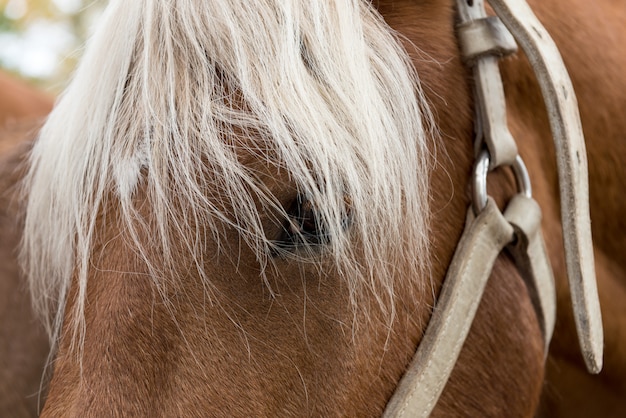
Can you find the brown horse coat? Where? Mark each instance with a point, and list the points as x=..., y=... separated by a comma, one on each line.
x=20, y=101
x=23, y=344
x=129, y=371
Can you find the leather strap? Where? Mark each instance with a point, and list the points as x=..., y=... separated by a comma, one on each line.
x=560, y=100
x=530, y=255
x=483, y=239
x=484, y=37
x=486, y=234
x=491, y=123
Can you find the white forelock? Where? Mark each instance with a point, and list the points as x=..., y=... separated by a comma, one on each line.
x=322, y=89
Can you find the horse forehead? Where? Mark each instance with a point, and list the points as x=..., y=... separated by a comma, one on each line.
x=258, y=156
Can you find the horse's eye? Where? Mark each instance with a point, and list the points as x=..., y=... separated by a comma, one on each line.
x=301, y=228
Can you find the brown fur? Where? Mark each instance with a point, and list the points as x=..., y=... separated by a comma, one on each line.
x=18, y=100
x=245, y=353
x=23, y=344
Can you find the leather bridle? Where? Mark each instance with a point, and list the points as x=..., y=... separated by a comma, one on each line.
x=483, y=40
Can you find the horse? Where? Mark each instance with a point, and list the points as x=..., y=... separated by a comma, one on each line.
x=249, y=208
x=20, y=101
x=24, y=345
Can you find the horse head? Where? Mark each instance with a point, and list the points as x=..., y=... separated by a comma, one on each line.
x=248, y=209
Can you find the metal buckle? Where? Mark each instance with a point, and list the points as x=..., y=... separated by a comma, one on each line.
x=481, y=170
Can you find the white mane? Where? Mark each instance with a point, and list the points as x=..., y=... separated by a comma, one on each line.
x=165, y=89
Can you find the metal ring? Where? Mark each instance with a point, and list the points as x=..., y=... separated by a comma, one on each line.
x=522, y=178
x=479, y=185
x=479, y=189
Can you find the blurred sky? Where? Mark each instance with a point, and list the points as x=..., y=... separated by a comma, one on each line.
x=42, y=40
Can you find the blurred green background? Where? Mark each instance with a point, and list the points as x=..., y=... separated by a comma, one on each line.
x=41, y=40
